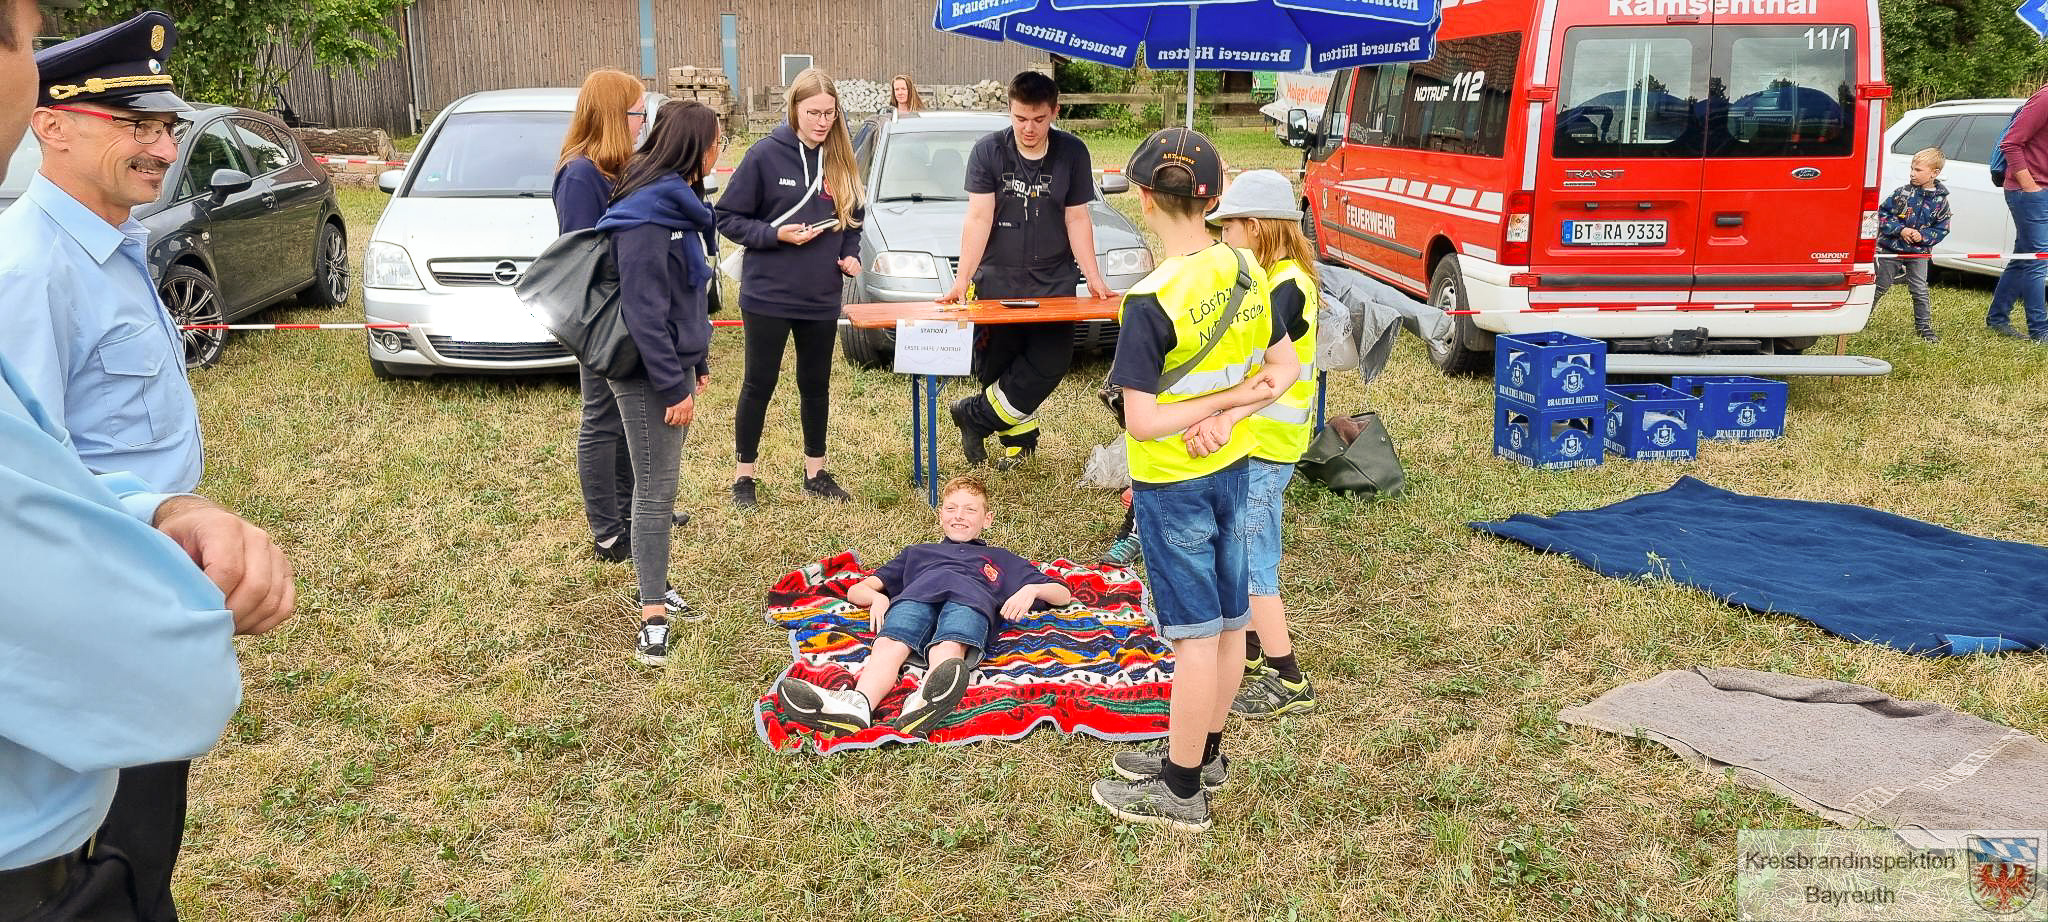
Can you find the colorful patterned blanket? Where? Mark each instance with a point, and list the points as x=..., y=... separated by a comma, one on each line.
x=1093, y=667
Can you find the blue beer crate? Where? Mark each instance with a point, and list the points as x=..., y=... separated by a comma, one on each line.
x=1738, y=407
x=1651, y=422
x=1548, y=371
x=1551, y=440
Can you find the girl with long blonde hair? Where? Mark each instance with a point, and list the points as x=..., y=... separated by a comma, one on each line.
x=903, y=94
x=795, y=203
x=610, y=110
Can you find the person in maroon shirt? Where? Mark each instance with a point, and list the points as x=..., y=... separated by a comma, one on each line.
x=2025, y=147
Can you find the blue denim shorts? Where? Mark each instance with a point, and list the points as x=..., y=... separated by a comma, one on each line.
x=1265, y=493
x=924, y=625
x=1193, y=534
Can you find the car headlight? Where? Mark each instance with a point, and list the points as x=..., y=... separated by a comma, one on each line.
x=386, y=265
x=1129, y=261
x=906, y=265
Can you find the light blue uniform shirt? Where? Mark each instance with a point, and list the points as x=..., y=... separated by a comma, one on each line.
x=115, y=650
x=81, y=321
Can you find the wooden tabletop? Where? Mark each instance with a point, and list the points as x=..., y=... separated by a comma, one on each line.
x=984, y=311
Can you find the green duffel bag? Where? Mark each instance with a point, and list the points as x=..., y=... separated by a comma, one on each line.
x=1354, y=455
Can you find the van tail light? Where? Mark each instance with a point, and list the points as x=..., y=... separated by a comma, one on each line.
x=1514, y=238
x=1866, y=238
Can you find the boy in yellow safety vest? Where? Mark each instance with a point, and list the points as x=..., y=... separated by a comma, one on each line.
x=1199, y=353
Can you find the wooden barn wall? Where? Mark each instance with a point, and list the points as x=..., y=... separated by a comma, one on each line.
x=379, y=97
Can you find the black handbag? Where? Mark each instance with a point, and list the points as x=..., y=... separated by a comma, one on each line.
x=572, y=288
x=1354, y=455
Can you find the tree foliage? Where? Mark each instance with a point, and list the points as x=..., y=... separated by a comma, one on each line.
x=239, y=52
x=1950, y=49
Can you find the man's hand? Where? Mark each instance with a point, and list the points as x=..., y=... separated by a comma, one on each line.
x=1018, y=605
x=955, y=293
x=239, y=557
x=1098, y=288
x=1206, y=437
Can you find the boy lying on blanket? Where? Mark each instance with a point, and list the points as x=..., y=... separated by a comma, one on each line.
x=941, y=600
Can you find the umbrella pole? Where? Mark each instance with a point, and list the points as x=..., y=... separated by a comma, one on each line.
x=1193, y=11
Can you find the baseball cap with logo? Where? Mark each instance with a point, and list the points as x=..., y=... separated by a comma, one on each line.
x=1177, y=161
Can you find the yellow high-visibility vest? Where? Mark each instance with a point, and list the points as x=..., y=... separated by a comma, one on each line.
x=1191, y=290
x=1280, y=432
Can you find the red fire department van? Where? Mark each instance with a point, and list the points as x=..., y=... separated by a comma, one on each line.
x=1694, y=181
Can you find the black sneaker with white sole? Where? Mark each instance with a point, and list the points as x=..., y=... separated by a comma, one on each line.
x=652, y=646
x=929, y=703
x=673, y=605
x=615, y=549
x=831, y=710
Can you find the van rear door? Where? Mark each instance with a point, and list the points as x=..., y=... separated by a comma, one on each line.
x=1787, y=160
x=1616, y=209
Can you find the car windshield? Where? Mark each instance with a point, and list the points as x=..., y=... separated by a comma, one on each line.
x=22, y=162
x=926, y=166
x=492, y=155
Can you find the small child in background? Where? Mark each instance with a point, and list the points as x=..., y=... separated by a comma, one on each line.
x=945, y=600
x=1913, y=219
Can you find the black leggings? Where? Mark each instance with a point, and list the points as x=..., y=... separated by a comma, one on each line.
x=766, y=337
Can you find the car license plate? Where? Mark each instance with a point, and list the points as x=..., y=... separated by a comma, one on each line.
x=1613, y=233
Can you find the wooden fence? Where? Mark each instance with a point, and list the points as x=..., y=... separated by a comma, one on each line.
x=1228, y=110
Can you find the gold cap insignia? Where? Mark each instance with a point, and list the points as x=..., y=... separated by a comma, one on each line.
x=156, y=38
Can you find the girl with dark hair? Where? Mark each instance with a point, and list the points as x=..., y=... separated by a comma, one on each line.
x=662, y=239
x=610, y=111
x=796, y=204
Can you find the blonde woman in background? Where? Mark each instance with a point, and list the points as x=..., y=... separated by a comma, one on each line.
x=903, y=95
x=790, y=287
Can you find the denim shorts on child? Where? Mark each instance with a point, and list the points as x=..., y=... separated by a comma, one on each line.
x=1265, y=491
x=1193, y=535
x=922, y=625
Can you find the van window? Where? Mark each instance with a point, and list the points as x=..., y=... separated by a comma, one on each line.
x=1333, y=127
x=1631, y=91
x=1456, y=101
x=1924, y=134
x=1787, y=91
x=1974, y=141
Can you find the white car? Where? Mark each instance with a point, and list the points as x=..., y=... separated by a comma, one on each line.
x=469, y=212
x=1967, y=131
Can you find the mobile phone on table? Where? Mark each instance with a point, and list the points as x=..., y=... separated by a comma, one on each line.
x=1015, y=303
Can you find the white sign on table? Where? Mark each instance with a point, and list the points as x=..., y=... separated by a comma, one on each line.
x=934, y=347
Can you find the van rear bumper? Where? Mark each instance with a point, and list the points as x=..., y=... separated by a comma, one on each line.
x=1504, y=308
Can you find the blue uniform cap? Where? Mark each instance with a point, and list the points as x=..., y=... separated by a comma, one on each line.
x=120, y=66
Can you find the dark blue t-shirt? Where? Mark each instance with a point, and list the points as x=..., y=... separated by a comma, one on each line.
x=969, y=572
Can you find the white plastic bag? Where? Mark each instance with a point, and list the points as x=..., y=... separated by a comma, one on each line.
x=1336, y=336
x=1108, y=467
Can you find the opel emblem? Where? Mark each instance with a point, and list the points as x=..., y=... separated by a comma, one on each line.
x=505, y=272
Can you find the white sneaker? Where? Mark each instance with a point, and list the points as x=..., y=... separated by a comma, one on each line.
x=833, y=710
x=652, y=646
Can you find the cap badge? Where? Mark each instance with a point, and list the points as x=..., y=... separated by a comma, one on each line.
x=156, y=38
x=156, y=66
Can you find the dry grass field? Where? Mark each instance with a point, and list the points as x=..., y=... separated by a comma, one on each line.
x=453, y=727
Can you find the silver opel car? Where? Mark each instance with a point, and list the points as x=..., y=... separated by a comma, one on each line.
x=468, y=213
x=916, y=172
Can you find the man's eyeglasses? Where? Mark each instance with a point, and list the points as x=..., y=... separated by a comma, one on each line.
x=146, y=130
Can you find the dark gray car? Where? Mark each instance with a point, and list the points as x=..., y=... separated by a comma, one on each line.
x=916, y=172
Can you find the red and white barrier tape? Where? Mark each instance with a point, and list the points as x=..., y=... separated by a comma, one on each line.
x=364, y=326
x=357, y=161
x=1964, y=255
x=1627, y=308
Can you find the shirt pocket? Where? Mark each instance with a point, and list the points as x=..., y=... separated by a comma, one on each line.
x=133, y=405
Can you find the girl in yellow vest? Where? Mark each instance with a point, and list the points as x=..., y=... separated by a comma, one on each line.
x=1198, y=356
x=1258, y=213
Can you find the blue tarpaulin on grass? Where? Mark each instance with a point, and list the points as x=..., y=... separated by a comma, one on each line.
x=1854, y=571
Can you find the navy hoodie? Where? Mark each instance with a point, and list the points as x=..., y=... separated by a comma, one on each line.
x=581, y=192
x=660, y=237
x=785, y=280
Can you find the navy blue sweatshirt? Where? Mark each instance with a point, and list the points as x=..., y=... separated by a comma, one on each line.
x=659, y=235
x=581, y=193
x=785, y=280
